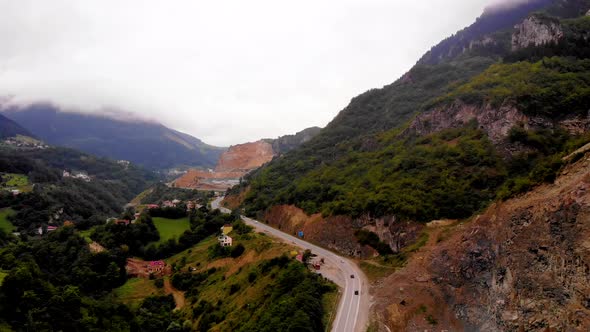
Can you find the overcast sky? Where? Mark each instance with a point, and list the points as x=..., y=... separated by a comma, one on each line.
x=226, y=72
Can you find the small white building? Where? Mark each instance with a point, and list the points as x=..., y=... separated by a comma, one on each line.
x=224, y=240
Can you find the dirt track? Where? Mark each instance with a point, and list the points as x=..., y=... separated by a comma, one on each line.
x=178, y=295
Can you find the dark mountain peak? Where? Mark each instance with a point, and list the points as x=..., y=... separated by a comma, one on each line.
x=9, y=128
x=116, y=135
x=494, y=19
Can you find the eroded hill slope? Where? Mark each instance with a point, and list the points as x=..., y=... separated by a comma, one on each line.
x=522, y=265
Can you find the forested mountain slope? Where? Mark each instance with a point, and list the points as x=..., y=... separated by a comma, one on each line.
x=358, y=163
x=65, y=184
x=9, y=128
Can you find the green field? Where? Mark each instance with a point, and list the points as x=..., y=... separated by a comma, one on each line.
x=135, y=290
x=4, y=223
x=16, y=181
x=170, y=228
x=86, y=235
x=3, y=275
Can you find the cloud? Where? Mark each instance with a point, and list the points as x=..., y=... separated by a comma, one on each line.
x=507, y=4
x=224, y=71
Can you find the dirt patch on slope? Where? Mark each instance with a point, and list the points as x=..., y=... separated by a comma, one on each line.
x=234, y=201
x=95, y=247
x=178, y=295
x=333, y=232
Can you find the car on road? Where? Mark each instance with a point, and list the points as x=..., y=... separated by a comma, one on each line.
x=352, y=276
x=356, y=292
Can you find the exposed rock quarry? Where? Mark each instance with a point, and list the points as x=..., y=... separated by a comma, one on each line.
x=523, y=265
x=208, y=180
x=241, y=159
x=233, y=164
x=536, y=31
x=245, y=157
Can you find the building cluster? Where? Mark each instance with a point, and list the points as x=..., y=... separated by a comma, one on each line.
x=171, y=204
x=76, y=175
x=156, y=266
x=190, y=205
x=124, y=163
x=19, y=142
x=52, y=227
x=49, y=229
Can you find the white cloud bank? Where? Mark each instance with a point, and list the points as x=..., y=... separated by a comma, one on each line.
x=224, y=71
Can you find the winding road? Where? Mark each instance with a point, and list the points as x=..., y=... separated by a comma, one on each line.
x=353, y=310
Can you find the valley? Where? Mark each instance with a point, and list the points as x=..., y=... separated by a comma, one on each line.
x=456, y=198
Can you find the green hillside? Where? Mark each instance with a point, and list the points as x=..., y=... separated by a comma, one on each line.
x=366, y=162
x=109, y=187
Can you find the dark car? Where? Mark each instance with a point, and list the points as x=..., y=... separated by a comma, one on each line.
x=356, y=292
x=352, y=276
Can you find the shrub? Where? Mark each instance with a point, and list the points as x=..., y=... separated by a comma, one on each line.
x=252, y=276
x=237, y=251
x=234, y=288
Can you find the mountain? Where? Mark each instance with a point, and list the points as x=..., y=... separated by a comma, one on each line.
x=466, y=146
x=287, y=143
x=241, y=159
x=9, y=128
x=146, y=143
x=360, y=151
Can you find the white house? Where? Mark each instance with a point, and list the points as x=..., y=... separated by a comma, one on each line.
x=224, y=240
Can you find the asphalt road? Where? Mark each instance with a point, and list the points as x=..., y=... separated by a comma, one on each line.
x=353, y=310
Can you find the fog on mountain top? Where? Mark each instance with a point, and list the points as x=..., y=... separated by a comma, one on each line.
x=225, y=72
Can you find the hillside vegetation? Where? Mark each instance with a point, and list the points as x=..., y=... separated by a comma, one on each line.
x=48, y=193
x=366, y=162
x=260, y=290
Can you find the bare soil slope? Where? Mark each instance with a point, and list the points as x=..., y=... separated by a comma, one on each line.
x=523, y=265
x=233, y=164
x=245, y=157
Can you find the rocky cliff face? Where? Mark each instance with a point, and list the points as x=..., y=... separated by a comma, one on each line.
x=287, y=143
x=536, y=31
x=523, y=265
x=495, y=121
x=335, y=233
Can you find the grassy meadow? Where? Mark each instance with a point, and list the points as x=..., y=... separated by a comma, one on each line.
x=6, y=225
x=170, y=228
